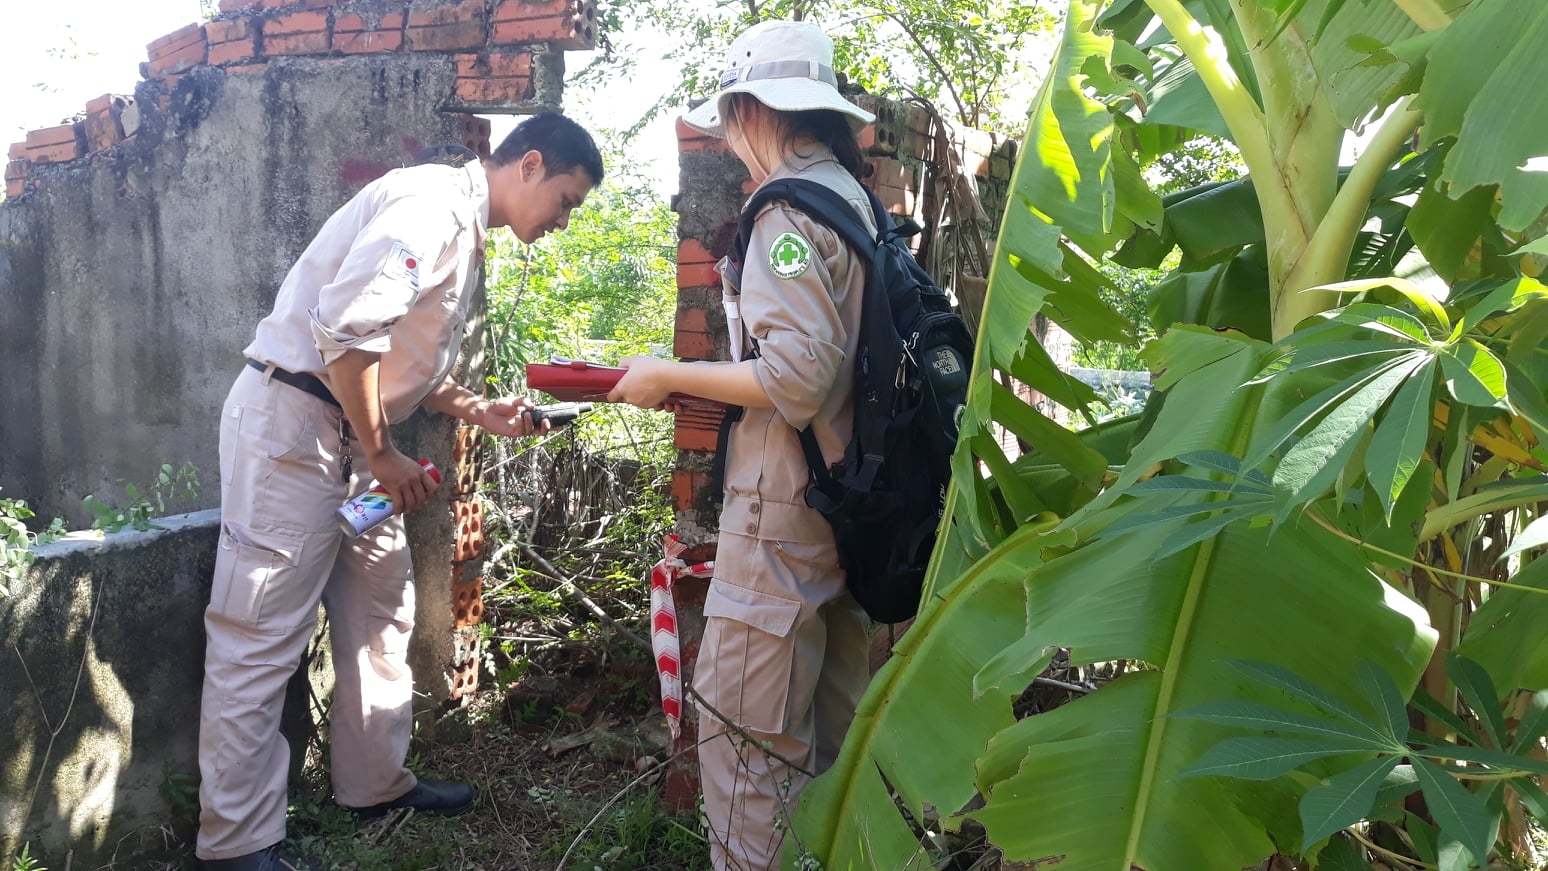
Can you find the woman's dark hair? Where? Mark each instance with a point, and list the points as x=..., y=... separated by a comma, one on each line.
x=564, y=144
x=824, y=125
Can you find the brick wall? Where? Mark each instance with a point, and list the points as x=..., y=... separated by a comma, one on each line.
x=139, y=245
x=492, y=43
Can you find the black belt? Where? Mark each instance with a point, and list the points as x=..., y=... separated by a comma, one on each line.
x=299, y=380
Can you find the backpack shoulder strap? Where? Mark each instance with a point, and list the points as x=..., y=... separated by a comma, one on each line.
x=823, y=205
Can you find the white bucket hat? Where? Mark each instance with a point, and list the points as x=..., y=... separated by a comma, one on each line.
x=786, y=65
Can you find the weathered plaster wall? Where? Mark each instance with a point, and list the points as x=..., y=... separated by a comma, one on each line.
x=139, y=247
x=99, y=691
x=132, y=283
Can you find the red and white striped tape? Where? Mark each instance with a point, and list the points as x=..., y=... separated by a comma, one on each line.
x=663, y=627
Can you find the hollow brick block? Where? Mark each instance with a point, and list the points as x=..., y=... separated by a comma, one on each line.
x=475, y=134
x=468, y=518
x=565, y=24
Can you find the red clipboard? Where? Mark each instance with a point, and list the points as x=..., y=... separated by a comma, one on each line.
x=584, y=381
x=573, y=380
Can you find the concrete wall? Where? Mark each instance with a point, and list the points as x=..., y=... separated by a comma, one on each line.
x=130, y=285
x=139, y=247
x=103, y=652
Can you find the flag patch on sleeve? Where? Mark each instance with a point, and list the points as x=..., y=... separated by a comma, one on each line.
x=403, y=265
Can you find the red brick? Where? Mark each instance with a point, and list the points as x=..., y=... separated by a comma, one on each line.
x=102, y=127
x=367, y=42
x=18, y=151
x=565, y=32
x=295, y=33
x=885, y=170
x=500, y=65
x=686, y=487
x=517, y=10
x=691, y=251
x=51, y=136
x=234, y=51
x=446, y=37
x=61, y=153
x=694, y=439
x=296, y=43
x=448, y=13
x=181, y=61
x=692, y=319
x=693, y=346
x=238, y=5
x=14, y=189
x=183, y=36
x=296, y=22
x=691, y=335
x=447, y=27
x=229, y=30
x=896, y=200
x=16, y=169
x=685, y=133
x=494, y=91
x=697, y=275
x=469, y=519
x=475, y=134
x=351, y=22
x=973, y=164
x=703, y=143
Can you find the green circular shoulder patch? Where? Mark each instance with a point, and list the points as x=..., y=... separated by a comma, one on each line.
x=790, y=255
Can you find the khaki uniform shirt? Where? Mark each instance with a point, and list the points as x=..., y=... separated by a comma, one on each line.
x=391, y=272
x=802, y=313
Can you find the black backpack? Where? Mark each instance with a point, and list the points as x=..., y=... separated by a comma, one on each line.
x=884, y=500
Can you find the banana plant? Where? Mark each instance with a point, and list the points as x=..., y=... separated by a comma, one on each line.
x=1336, y=477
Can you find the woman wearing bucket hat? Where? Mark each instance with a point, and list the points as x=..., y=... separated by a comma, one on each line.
x=784, y=655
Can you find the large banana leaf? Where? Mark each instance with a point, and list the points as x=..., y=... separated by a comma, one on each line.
x=1096, y=781
x=1102, y=777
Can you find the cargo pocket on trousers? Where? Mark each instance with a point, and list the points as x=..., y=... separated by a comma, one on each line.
x=748, y=655
x=391, y=624
x=246, y=567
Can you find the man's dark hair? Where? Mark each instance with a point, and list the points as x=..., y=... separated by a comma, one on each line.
x=564, y=144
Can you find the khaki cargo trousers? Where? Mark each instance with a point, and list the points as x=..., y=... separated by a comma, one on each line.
x=785, y=656
x=280, y=553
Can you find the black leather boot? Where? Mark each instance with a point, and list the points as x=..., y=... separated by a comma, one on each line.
x=443, y=797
